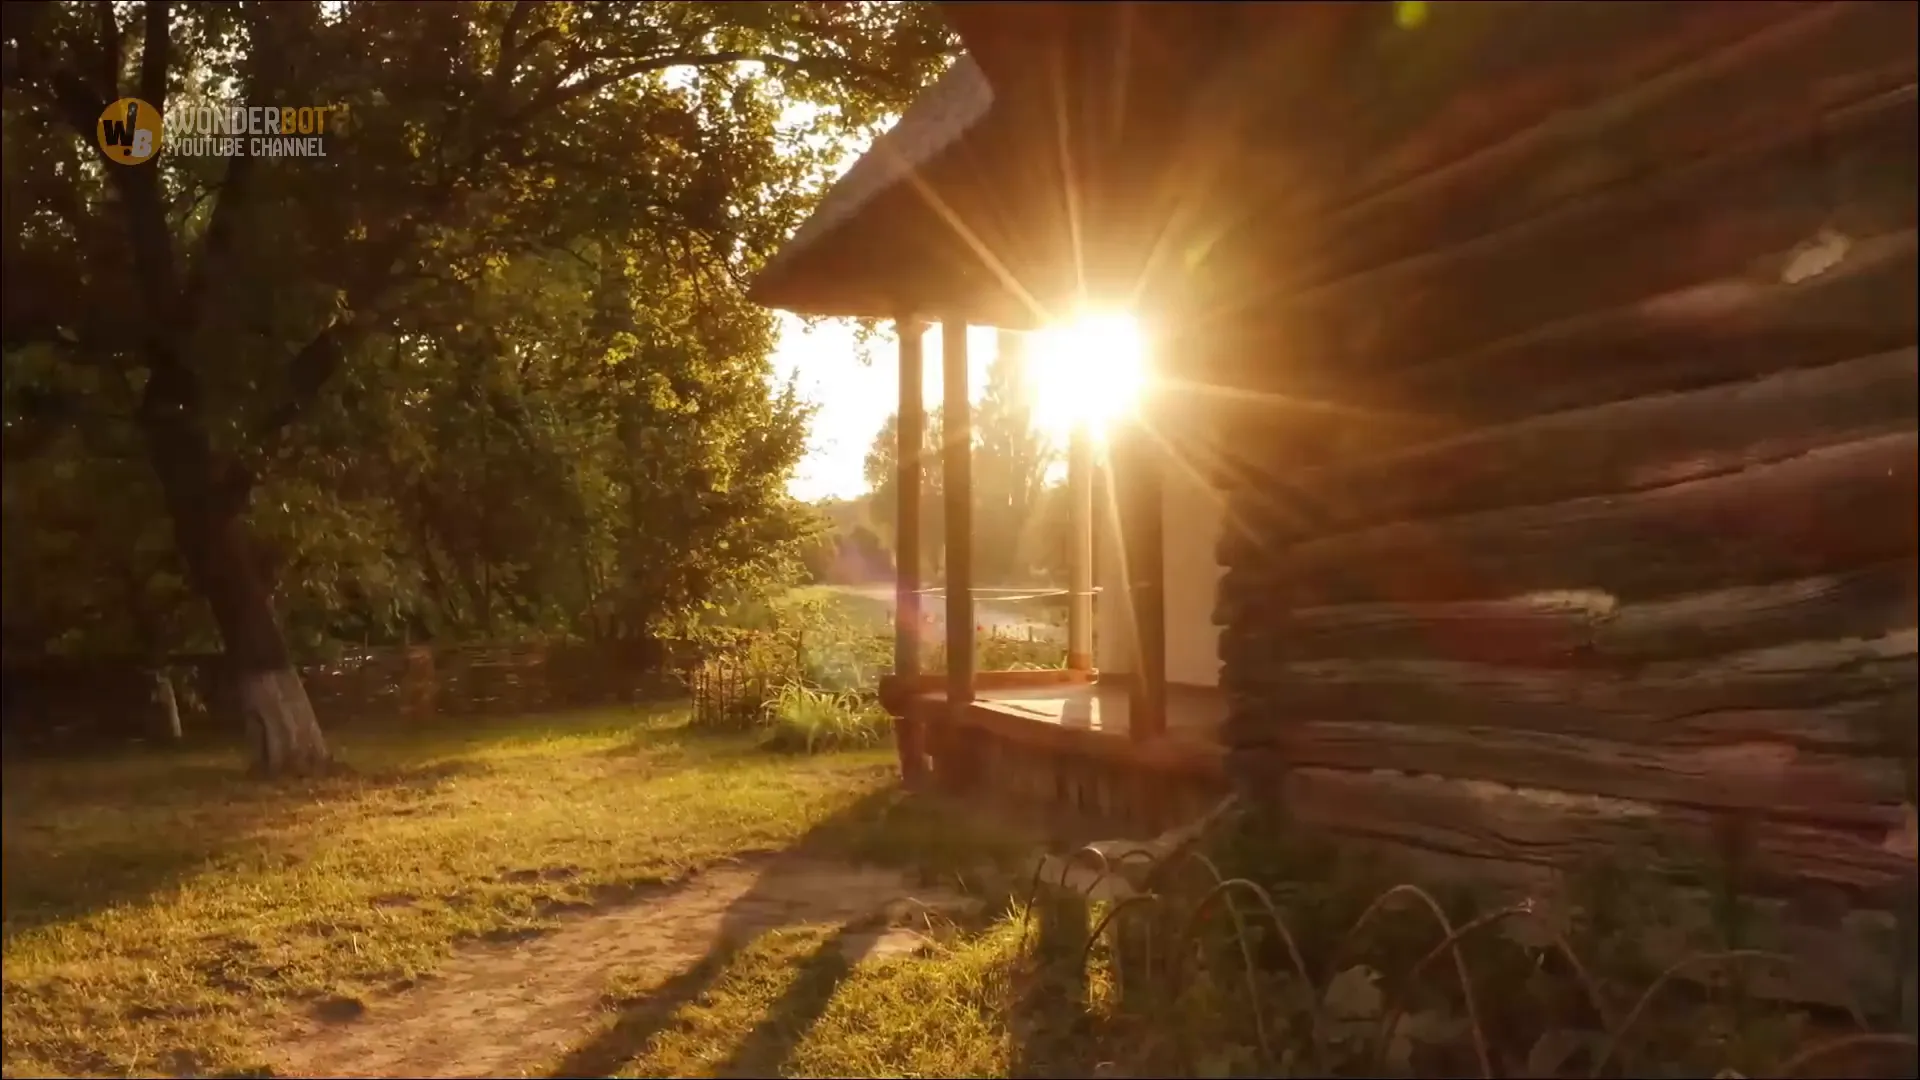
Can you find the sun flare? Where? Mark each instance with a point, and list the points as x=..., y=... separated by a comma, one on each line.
x=1088, y=371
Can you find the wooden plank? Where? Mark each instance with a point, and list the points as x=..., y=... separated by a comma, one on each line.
x=1580, y=629
x=1840, y=507
x=1528, y=825
x=1178, y=757
x=1824, y=696
x=1621, y=446
x=1767, y=775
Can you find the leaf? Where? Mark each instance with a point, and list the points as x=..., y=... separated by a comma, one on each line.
x=1354, y=994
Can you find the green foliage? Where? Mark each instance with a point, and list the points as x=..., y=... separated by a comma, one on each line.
x=806, y=720
x=483, y=370
x=1282, y=951
x=1019, y=521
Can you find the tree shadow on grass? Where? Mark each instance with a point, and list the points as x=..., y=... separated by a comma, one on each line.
x=843, y=874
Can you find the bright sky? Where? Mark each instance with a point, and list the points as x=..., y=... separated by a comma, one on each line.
x=855, y=398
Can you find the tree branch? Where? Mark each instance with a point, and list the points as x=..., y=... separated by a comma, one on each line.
x=558, y=96
x=155, y=55
x=108, y=73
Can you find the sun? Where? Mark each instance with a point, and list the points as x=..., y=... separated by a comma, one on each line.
x=1088, y=371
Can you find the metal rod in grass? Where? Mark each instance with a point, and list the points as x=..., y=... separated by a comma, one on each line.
x=1066, y=865
x=1858, y=1040
x=1286, y=937
x=1449, y=942
x=1615, y=1037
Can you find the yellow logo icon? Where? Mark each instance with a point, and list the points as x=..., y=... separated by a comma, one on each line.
x=130, y=131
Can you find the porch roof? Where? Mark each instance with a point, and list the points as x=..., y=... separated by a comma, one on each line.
x=973, y=204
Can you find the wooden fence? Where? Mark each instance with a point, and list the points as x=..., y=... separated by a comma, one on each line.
x=68, y=703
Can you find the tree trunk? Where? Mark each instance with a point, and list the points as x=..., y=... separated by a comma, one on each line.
x=210, y=528
x=169, y=702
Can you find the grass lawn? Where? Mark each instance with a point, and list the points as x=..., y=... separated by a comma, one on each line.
x=165, y=914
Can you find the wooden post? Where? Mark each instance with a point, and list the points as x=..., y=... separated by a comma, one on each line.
x=957, y=459
x=1137, y=476
x=910, y=425
x=1080, y=549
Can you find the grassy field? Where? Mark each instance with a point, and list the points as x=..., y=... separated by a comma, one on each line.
x=602, y=893
x=165, y=914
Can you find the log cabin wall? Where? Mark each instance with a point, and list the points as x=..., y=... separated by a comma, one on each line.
x=1579, y=512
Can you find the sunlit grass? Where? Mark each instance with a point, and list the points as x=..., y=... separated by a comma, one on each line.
x=162, y=912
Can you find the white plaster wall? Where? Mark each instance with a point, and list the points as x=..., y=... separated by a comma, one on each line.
x=1190, y=527
x=1112, y=639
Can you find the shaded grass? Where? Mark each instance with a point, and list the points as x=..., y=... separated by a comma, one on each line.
x=163, y=912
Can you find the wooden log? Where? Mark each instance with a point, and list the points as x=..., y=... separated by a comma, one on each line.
x=1768, y=775
x=1530, y=825
x=1622, y=446
x=1844, y=506
x=1830, y=696
x=1739, y=76
x=1735, y=329
x=1693, y=224
x=1875, y=163
x=1578, y=630
x=1735, y=222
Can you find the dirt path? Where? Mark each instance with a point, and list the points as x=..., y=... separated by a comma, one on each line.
x=499, y=1010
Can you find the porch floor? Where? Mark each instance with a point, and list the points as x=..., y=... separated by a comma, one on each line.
x=1194, y=714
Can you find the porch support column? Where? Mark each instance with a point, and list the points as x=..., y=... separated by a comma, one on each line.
x=957, y=459
x=1080, y=549
x=909, y=733
x=1138, y=477
x=909, y=429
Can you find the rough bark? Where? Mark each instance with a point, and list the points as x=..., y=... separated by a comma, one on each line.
x=1840, y=507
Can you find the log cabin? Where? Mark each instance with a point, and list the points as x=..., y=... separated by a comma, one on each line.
x=1528, y=463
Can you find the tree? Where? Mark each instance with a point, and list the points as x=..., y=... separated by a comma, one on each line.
x=238, y=299
x=882, y=474
x=1010, y=463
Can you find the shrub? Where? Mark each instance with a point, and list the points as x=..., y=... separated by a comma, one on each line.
x=802, y=719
